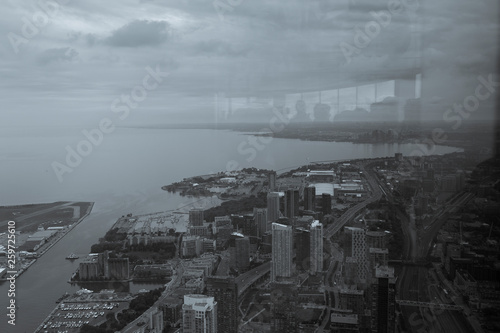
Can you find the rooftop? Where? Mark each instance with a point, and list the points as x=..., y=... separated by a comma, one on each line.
x=199, y=302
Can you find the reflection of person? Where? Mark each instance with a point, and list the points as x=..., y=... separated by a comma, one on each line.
x=301, y=115
x=321, y=112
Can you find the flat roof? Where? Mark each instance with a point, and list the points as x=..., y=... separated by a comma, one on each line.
x=323, y=188
x=352, y=291
x=344, y=319
x=378, y=250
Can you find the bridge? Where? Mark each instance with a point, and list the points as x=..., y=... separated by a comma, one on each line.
x=422, y=263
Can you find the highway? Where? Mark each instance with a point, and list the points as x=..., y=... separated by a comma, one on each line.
x=412, y=282
x=353, y=211
x=245, y=280
x=430, y=231
x=169, y=288
x=335, y=260
x=448, y=321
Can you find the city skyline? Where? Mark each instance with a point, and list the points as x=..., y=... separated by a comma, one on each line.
x=237, y=166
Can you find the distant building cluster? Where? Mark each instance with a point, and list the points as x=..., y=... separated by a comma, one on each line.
x=474, y=270
x=316, y=250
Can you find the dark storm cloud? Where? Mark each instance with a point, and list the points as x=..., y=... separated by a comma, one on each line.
x=140, y=33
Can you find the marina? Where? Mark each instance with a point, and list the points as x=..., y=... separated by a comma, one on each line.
x=84, y=307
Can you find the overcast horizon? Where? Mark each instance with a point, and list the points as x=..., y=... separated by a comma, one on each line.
x=70, y=66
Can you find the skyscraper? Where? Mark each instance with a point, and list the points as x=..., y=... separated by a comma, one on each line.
x=316, y=247
x=383, y=300
x=273, y=206
x=196, y=217
x=310, y=198
x=260, y=217
x=359, y=252
x=326, y=204
x=239, y=250
x=271, y=177
x=291, y=203
x=283, y=308
x=242, y=253
x=250, y=227
x=352, y=299
x=282, y=251
x=225, y=291
x=199, y=314
x=302, y=248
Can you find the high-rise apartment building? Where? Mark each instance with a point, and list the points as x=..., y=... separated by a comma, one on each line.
x=282, y=251
x=284, y=298
x=359, y=251
x=273, y=206
x=239, y=252
x=383, y=314
x=316, y=247
x=326, y=204
x=352, y=299
x=310, y=198
x=302, y=243
x=271, y=178
x=225, y=291
x=199, y=314
x=242, y=253
x=196, y=217
x=260, y=217
x=291, y=203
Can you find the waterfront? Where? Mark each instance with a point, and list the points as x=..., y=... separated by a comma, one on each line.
x=124, y=175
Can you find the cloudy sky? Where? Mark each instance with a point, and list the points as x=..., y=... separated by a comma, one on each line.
x=67, y=63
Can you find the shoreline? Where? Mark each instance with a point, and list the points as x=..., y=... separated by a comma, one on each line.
x=68, y=230
x=451, y=144
x=55, y=241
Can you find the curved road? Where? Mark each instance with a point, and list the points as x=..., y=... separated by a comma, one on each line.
x=353, y=211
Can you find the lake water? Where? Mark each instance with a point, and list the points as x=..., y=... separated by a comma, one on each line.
x=124, y=174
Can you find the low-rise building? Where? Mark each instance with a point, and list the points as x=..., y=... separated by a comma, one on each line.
x=195, y=286
x=340, y=322
x=191, y=246
x=172, y=311
x=466, y=283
